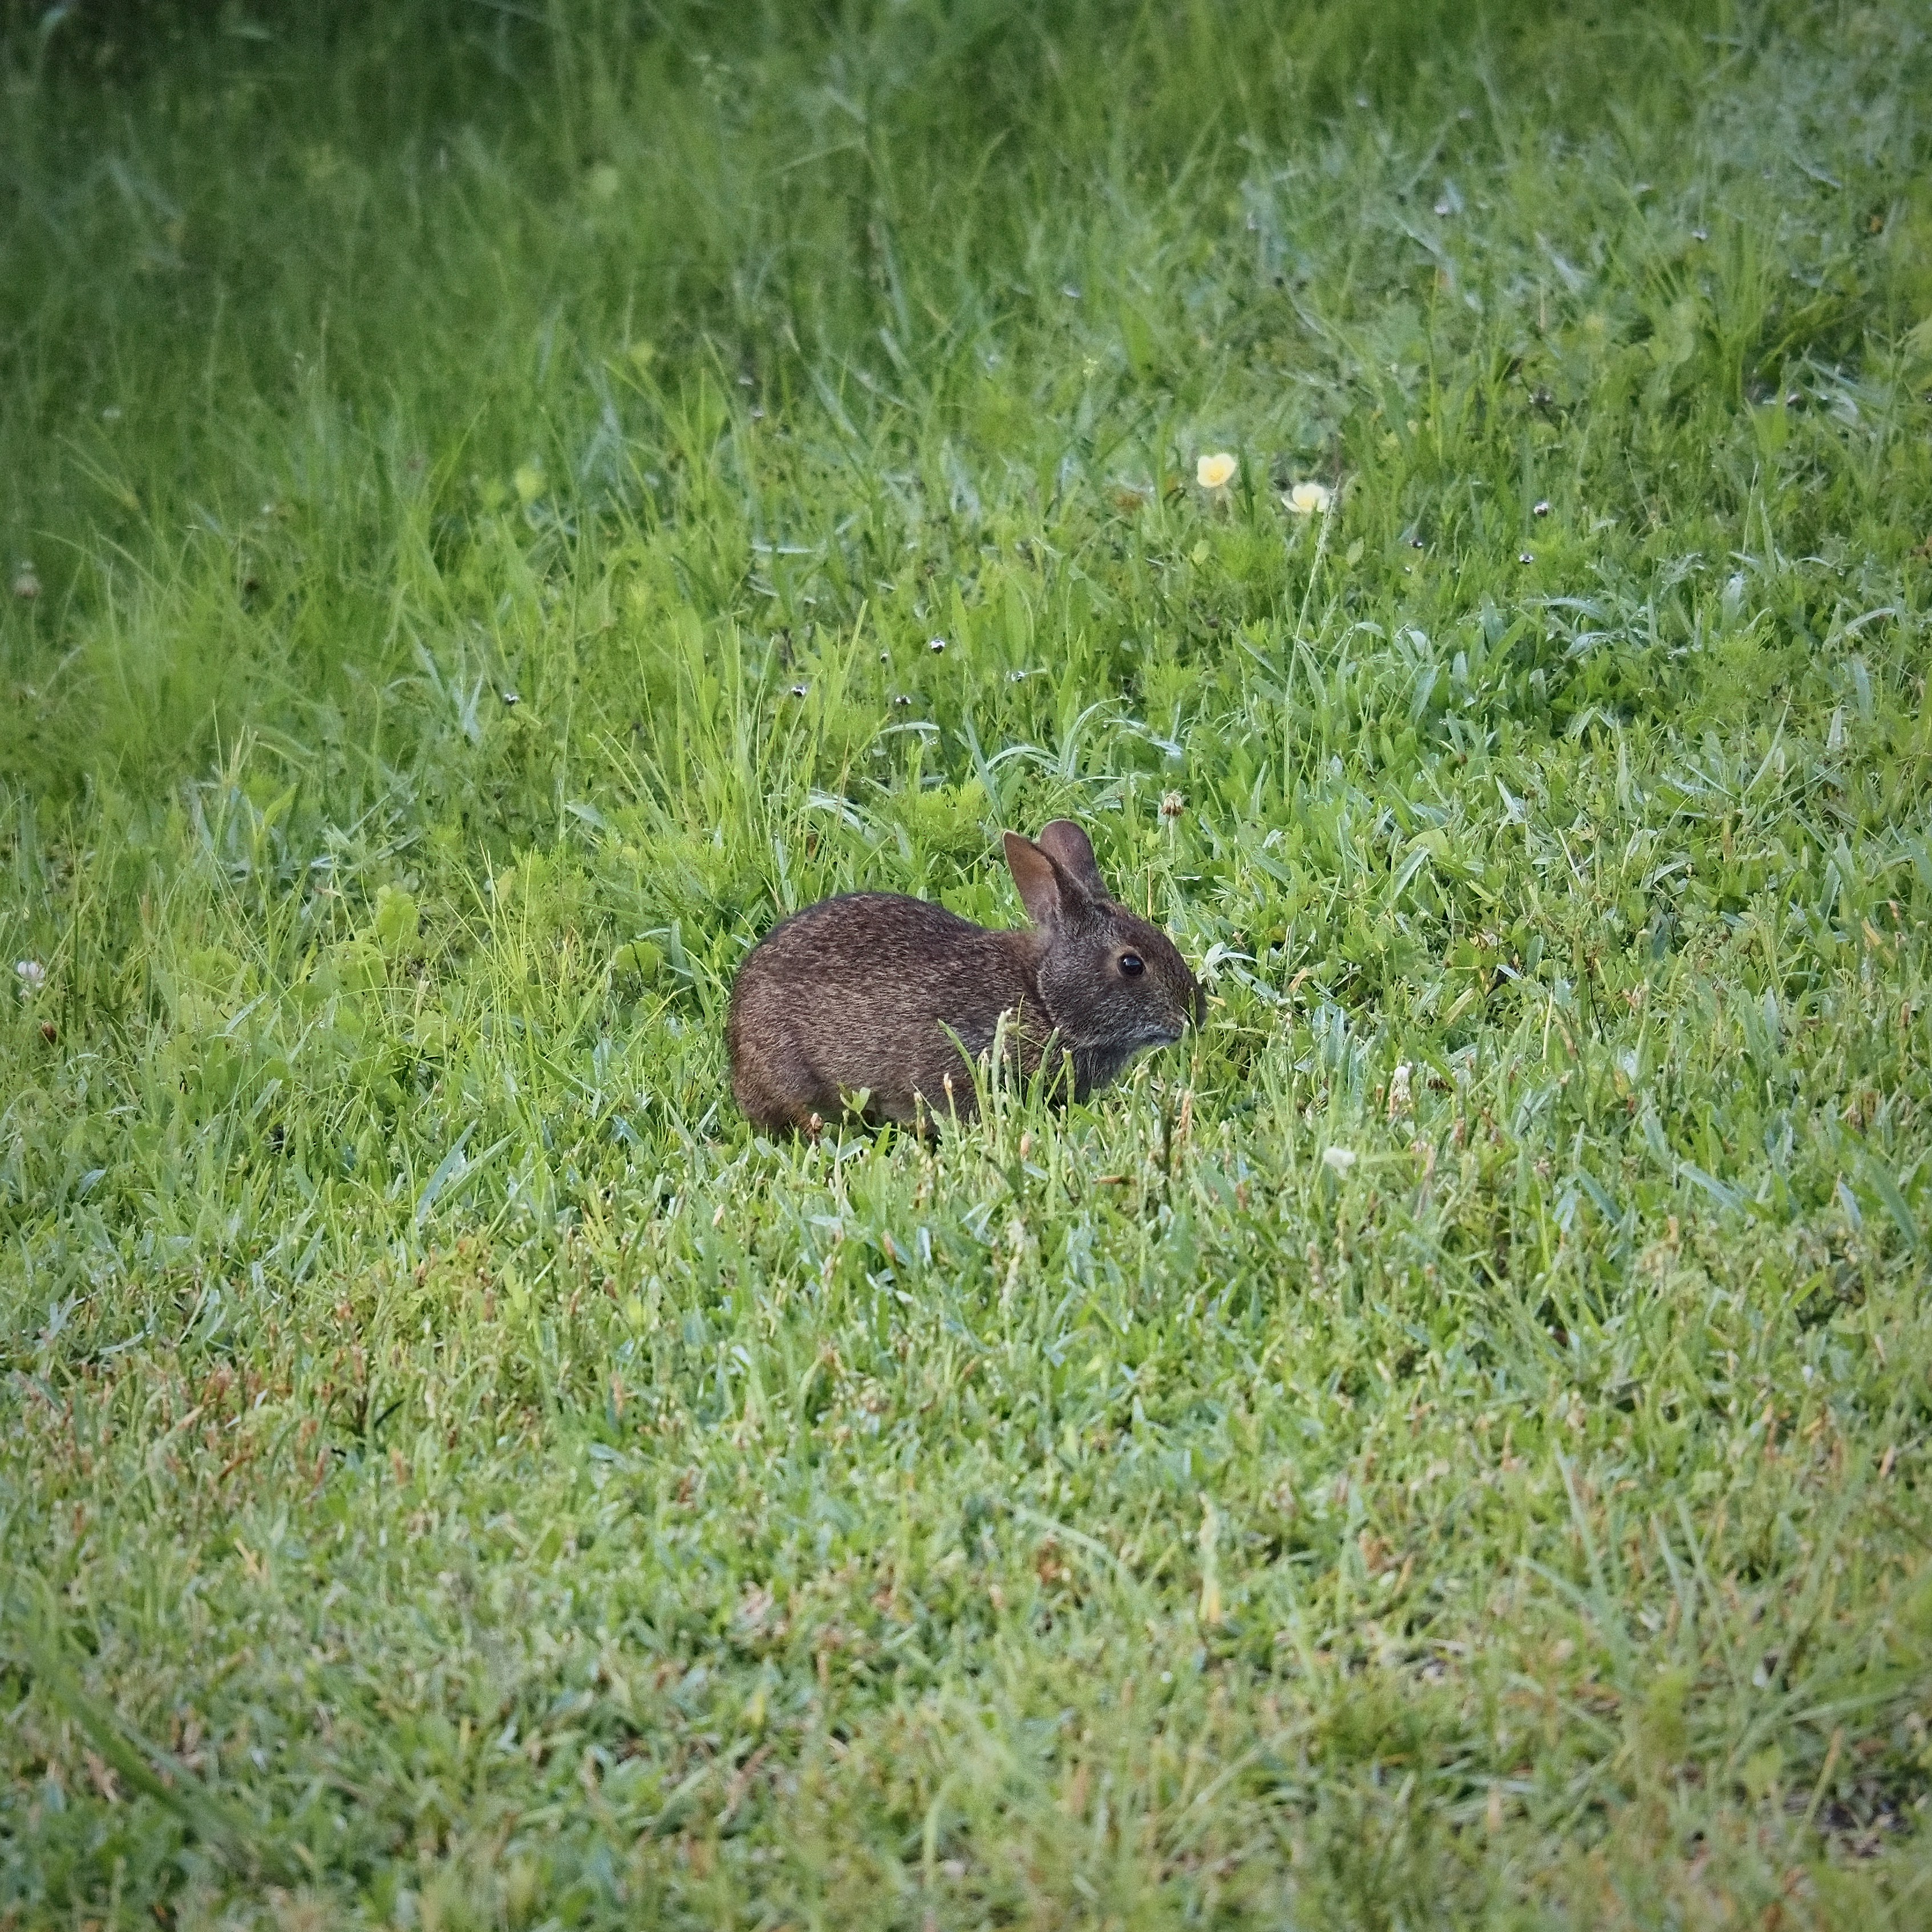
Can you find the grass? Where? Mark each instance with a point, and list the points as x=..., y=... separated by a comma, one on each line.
x=1448, y=1445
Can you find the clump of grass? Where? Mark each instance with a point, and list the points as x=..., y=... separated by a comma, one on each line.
x=1443, y=1446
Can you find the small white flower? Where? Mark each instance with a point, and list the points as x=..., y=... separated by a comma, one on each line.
x=1399, y=1101
x=1309, y=499
x=1215, y=472
x=33, y=976
x=26, y=584
x=1340, y=1159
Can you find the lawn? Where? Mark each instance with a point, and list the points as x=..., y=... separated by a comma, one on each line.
x=501, y=502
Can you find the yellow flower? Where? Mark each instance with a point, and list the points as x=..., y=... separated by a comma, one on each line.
x=1309, y=499
x=1215, y=472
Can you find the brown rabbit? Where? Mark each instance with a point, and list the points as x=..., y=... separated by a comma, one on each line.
x=851, y=1006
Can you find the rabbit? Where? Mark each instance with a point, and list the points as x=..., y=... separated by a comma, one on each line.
x=873, y=1006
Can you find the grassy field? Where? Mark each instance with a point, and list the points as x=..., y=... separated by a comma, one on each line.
x=502, y=502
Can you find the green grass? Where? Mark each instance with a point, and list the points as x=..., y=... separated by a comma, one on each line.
x=453, y=1475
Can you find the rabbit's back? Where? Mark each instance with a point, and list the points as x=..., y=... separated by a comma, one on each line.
x=865, y=993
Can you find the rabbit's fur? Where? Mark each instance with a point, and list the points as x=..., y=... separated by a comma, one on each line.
x=852, y=1007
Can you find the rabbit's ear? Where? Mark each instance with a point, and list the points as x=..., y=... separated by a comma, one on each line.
x=1048, y=894
x=1068, y=846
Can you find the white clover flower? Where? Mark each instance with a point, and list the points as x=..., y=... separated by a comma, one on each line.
x=1309, y=499
x=1399, y=1100
x=1215, y=472
x=33, y=976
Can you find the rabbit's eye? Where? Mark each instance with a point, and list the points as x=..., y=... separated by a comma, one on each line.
x=1132, y=964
